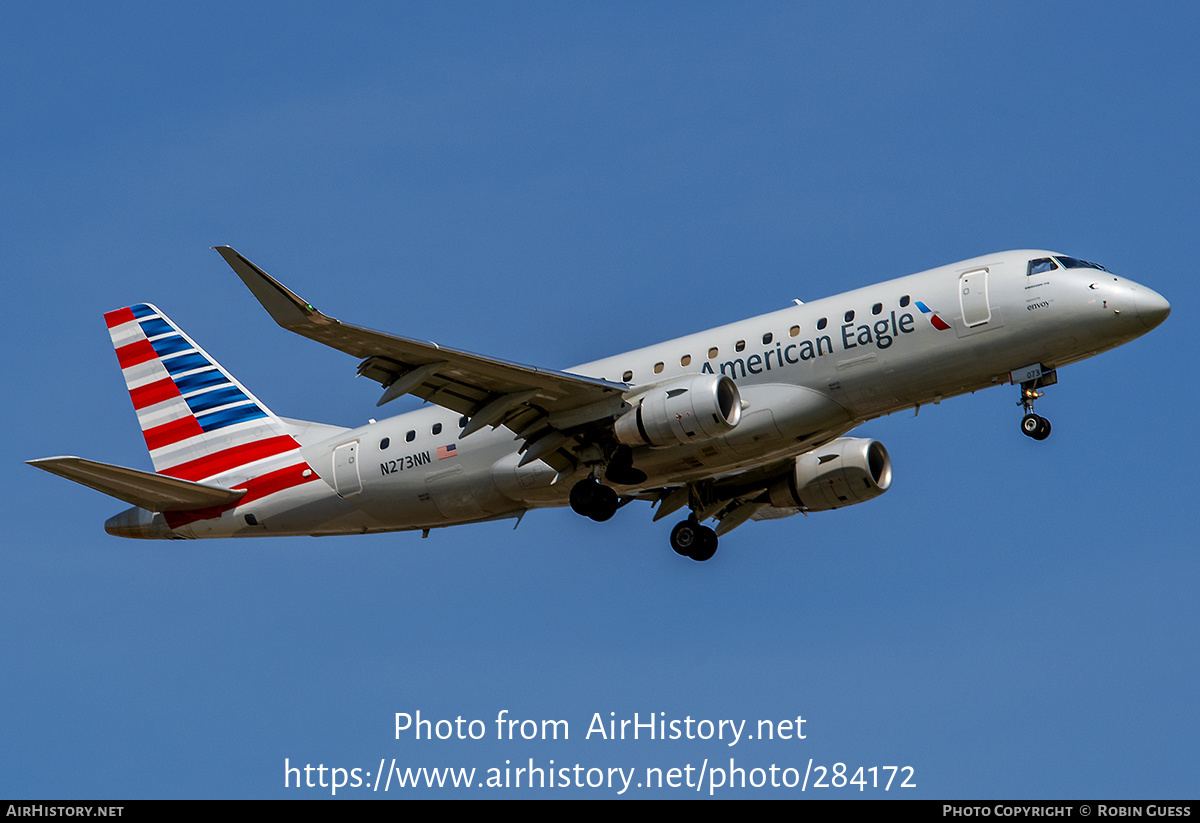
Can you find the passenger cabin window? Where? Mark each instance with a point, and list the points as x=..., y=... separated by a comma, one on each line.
x=1040, y=265
x=627, y=376
x=685, y=360
x=384, y=443
x=712, y=352
x=437, y=428
x=462, y=422
x=767, y=338
x=658, y=367
x=411, y=436
x=741, y=345
x=822, y=323
x=877, y=308
x=904, y=301
x=794, y=331
x=849, y=316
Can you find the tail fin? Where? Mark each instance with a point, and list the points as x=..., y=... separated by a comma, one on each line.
x=199, y=422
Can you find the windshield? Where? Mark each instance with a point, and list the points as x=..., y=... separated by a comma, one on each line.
x=1073, y=263
x=1040, y=265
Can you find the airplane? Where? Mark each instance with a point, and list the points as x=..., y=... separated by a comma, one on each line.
x=747, y=421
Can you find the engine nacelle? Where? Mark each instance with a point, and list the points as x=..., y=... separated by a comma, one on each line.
x=847, y=471
x=690, y=409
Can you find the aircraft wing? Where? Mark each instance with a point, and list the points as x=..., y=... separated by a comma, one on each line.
x=542, y=406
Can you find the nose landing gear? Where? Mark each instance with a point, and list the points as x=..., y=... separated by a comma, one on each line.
x=1034, y=425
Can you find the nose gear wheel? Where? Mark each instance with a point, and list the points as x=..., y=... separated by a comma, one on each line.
x=1035, y=426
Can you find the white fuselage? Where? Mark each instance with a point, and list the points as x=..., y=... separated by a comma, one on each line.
x=806, y=374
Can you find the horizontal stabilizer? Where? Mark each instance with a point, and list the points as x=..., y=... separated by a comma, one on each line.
x=153, y=492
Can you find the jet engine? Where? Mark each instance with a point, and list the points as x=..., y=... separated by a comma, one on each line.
x=846, y=471
x=686, y=410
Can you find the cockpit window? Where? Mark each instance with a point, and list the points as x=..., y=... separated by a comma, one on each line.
x=1040, y=265
x=1072, y=263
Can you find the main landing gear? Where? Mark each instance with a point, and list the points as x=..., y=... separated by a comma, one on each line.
x=1034, y=425
x=593, y=500
x=599, y=502
x=690, y=539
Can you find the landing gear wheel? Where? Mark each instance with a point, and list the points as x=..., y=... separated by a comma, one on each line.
x=604, y=506
x=690, y=539
x=684, y=537
x=1044, y=431
x=583, y=495
x=707, y=546
x=1035, y=426
x=1030, y=424
x=590, y=499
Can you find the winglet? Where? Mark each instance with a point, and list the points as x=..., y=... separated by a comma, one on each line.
x=286, y=307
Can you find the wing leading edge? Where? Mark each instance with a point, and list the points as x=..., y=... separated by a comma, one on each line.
x=546, y=408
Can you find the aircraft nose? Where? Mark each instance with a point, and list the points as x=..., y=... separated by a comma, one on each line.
x=1152, y=308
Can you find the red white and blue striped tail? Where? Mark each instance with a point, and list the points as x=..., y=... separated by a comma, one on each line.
x=200, y=423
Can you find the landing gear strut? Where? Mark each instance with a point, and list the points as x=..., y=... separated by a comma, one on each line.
x=690, y=539
x=592, y=500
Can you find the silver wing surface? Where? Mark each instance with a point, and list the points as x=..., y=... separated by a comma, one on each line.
x=551, y=411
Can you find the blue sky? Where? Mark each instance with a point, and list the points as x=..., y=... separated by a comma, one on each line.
x=551, y=185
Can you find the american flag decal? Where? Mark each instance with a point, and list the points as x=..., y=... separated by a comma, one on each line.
x=447, y=451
